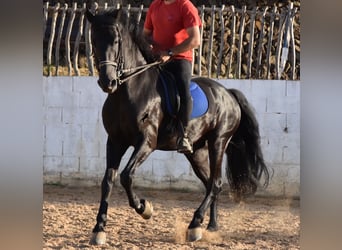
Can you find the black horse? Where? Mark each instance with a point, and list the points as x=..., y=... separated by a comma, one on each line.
x=135, y=114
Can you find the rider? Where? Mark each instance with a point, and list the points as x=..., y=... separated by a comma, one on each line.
x=172, y=26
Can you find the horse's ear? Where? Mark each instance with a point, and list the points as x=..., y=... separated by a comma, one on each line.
x=91, y=10
x=122, y=16
x=119, y=12
x=90, y=16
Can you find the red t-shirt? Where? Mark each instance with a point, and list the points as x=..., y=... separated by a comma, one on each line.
x=168, y=23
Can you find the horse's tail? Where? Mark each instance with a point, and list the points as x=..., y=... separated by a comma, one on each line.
x=245, y=163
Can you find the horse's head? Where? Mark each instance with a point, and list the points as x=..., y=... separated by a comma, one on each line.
x=106, y=39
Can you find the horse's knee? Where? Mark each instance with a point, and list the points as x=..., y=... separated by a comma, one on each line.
x=111, y=174
x=109, y=178
x=217, y=188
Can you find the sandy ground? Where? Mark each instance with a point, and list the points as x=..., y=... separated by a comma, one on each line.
x=258, y=223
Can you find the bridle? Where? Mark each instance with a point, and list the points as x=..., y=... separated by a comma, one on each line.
x=104, y=63
x=121, y=72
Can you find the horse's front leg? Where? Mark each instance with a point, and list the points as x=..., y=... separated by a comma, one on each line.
x=141, y=206
x=114, y=154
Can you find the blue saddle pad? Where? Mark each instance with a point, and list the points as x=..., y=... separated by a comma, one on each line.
x=199, y=100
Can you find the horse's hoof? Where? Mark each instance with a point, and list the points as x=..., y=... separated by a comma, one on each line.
x=98, y=238
x=194, y=234
x=148, y=210
x=212, y=228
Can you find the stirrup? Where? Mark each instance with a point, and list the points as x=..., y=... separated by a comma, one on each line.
x=184, y=145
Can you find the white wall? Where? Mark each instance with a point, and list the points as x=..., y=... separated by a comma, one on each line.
x=74, y=138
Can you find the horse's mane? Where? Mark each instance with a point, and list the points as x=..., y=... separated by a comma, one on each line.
x=130, y=25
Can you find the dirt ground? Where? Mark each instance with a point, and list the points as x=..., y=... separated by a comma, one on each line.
x=259, y=223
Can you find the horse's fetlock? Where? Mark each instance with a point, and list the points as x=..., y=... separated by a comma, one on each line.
x=140, y=208
x=219, y=182
x=98, y=228
x=199, y=217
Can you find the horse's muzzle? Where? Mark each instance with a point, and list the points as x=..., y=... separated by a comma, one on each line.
x=110, y=87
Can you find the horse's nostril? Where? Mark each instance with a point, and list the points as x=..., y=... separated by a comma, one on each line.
x=108, y=85
x=112, y=87
x=114, y=82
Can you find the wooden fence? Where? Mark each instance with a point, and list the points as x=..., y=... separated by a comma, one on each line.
x=236, y=43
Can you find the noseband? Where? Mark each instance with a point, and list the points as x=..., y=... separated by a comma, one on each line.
x=104, y=63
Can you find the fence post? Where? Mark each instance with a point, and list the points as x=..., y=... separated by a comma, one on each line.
x=286, y=40
x=45, y=16
x=293, y=44
x=241, y=31
x=78, y=40
x=52, y=37
x=251, y=42
x=219, y=62
x=89, y=48
x=279, y=43
x=199, y=56
x=232, y=40
x=67, y=38
x=141, y=8
x=270, y=39
x=59, y=37
x=211, y=36
x=261, y=38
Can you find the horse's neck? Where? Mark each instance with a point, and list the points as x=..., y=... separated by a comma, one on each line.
x=133, y=56
x=143, y=87
x=142, y=84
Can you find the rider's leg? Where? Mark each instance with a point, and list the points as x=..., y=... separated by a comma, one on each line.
x=181, y=70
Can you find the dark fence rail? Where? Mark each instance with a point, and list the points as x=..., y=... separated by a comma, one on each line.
x=239, y=43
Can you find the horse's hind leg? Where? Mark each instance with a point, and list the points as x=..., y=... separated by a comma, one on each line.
x=114, y=154
x=213, y=188
x=200, y=165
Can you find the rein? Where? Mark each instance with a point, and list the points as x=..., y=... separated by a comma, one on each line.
x=121, y=72
x=138, y=70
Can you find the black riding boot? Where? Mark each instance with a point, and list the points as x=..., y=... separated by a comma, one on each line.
x=184, y=145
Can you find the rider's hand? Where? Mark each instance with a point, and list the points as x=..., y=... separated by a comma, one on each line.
x=164, y=56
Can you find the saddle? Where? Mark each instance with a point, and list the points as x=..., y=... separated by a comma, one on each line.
x=200, y=102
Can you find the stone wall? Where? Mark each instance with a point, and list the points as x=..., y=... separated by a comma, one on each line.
x=74, y=138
